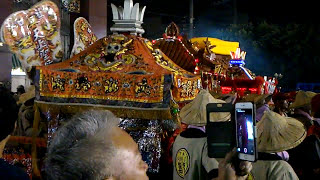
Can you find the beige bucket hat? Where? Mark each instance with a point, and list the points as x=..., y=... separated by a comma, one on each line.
x=195, y=112
x=303, y=98
x=276, y=133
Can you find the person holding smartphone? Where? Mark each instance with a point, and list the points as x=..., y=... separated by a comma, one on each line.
x=190, y=154
x=276, y=133
x=190, y=149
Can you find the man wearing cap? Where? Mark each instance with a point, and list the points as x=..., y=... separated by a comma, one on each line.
x=190, y=151
x=276, y=133
x=302, y=107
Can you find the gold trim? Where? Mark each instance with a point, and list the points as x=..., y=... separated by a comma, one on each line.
x=107, y=97
x=185, y=99
x=119, y=111
x=40, y=80
x=176, y=94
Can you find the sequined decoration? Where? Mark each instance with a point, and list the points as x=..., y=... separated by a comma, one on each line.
x=55, y=120
x=169, y=125
x=147, y=134
x=71, y=5
x=65, y=4
x=18, y=157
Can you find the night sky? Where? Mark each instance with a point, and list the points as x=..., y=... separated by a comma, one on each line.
x=287, y=42
x=279, y=36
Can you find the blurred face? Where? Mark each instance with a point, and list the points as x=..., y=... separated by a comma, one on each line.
x=285, y=105
x=129, y=161
x=270, y=102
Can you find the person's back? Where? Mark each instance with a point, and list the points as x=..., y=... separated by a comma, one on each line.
x=273, y=169
x=305, y=158
x=190, y=156
x=8, y=117
x=276, y=133
x=25, y=120
x=303, y=117
x=190, y=151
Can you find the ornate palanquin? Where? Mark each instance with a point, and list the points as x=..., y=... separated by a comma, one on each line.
x=207, y=57
x=122, y=73
x=181, y=51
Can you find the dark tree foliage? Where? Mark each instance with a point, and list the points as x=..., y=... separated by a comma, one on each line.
x=290, y=49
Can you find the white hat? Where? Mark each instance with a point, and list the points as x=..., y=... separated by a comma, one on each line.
x=195, y=112
x=276, y=133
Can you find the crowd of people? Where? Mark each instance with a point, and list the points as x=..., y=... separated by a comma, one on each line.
x=92, y=146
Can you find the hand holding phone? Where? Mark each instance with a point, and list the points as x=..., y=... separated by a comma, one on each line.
x=231, y=167
x=246, y=131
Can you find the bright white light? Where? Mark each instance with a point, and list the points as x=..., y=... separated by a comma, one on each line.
x=247, y=73
x=18, y=72
x=250, y=130
x=1, y=43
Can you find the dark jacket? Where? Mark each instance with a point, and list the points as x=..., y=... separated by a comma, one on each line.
x=10, y=172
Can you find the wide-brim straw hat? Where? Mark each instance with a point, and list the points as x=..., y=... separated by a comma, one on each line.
x=216, y=95
x=276, y=133
x=228, y=98
x=256, y=98
x=303, y=98
x=195, y=112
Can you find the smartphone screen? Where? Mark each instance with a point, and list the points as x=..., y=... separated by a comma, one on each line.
x=245, y=127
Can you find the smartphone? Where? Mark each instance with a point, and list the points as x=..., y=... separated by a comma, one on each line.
x=220, y=129
x=246, y=131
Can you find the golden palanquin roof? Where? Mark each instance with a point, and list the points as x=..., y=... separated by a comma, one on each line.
x=118, y=70
x=115, y=53
x=178, y=52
